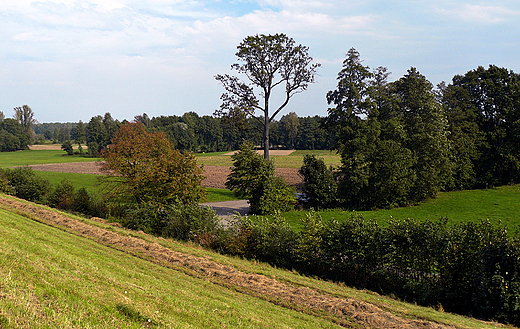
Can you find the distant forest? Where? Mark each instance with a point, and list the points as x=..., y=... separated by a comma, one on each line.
x=191, y=132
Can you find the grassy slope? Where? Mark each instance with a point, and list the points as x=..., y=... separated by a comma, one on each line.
x=50, y=278
x=499, y=205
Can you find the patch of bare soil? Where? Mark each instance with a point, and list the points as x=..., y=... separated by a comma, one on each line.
x=215, y=175
x=50, y=147
x=71, y=167
x=344, y=311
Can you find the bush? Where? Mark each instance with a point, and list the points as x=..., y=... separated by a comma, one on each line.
x=82, y=202
x=319, y=184
x=5, y=187
x=62, y=195
x=183, y=222
x=67, y=147
x=270, y=240
x=272, y=195
x=27, y=185
x=253, y=177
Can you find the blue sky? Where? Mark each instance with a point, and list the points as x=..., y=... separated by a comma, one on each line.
x=72, y=59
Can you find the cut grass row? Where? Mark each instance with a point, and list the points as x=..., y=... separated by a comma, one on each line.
x=51, y=278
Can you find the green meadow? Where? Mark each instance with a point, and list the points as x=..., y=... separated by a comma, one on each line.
x=32, y=157
x=499, y=205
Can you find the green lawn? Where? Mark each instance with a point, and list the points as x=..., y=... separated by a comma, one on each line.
x=500, y=204
x=31, y=157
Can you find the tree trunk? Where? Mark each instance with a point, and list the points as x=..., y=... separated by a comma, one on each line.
x=266, y=136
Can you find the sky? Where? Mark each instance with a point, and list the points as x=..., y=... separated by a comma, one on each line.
x=70, y=60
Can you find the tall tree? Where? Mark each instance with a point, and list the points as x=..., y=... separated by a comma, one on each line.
x=490, y=99
x=267, y=61
x=426, y=128
x=25, y=116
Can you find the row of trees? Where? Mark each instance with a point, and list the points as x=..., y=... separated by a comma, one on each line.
x=401, y=142
x=16, y=133
x=191, y=132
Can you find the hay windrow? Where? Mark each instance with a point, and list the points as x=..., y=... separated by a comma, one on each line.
x=344, y=311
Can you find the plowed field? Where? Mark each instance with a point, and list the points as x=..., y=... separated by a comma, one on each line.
x=215, y=175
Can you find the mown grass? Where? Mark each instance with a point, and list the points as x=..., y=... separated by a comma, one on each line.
x=499, y=205
x=32, y=157
x=53, y=279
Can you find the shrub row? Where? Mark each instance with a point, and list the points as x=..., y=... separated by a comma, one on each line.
x=24, y=183
x=470, y=269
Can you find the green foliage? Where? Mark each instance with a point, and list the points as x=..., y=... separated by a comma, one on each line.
x=252, y=177
x=392, y=137
x=256, y=237
x=62, y=195
x=13, y=136
x=27, y=184
x=67, y=147
x=319, y=183
x=483, y=107
x=183, y=222
x=272, y=195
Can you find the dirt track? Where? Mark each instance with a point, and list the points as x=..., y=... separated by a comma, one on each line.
x=215, y=175
x=344, y=311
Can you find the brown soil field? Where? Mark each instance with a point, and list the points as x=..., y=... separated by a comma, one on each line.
x=215, y=175
x=349, y=312
x=51, y=147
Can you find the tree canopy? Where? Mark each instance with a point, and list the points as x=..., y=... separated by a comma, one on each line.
x=267, y=61
x=144, y=167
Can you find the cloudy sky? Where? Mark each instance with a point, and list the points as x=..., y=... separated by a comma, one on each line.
x=72, y=59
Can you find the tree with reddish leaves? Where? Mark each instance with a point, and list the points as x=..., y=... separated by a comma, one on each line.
x=143, y=167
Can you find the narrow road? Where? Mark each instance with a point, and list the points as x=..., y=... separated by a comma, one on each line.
x=225, y=209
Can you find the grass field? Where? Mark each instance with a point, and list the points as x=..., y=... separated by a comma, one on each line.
x=294, y=160
x=31, y=157
x=499, y=205
x=90, y=182
x=52, y=278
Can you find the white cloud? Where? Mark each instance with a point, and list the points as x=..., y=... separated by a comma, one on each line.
x=480, y=13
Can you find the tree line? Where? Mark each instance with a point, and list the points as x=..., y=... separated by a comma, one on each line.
x=403, y=141
x=194, y=133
